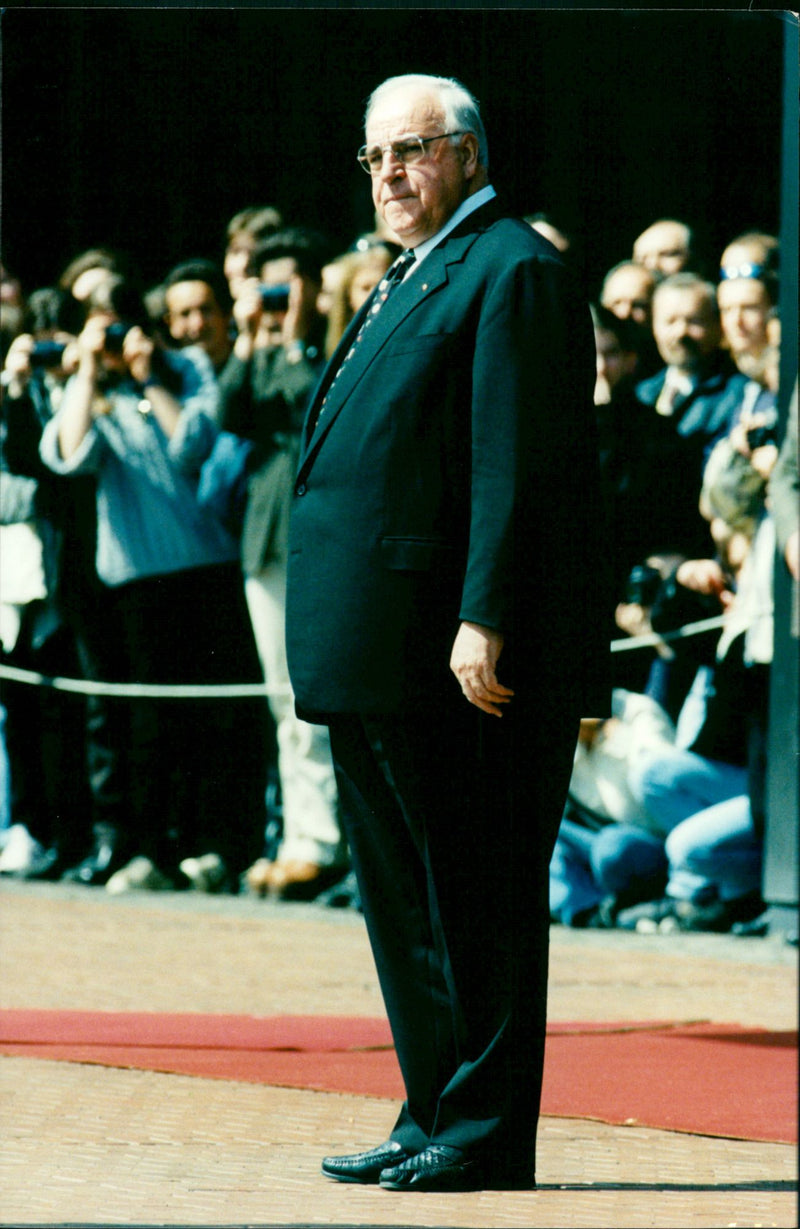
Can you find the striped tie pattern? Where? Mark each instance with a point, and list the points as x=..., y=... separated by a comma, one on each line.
x=392, y=279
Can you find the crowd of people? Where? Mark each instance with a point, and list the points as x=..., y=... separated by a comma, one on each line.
x=150, y=440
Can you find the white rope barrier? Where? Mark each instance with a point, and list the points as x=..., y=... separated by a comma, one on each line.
x=235, y=691
x=140, y=691
x=655, y=638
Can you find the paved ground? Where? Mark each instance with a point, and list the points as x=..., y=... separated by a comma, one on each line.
x=93, y=1146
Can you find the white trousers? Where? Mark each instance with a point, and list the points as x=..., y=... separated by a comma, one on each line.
x=310, y=824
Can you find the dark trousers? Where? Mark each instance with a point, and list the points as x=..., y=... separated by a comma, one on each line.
x=102, y=659
x=451, y=816
x=196, y=766
x=46, y=743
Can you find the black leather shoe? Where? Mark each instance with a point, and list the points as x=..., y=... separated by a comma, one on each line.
x=364, y=1166
x=436, y=1168
x=440, y=1168
x=109, y=854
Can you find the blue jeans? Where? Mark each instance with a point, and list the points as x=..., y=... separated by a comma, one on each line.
x=715, y=853
x=674, y=786
x=587, y=866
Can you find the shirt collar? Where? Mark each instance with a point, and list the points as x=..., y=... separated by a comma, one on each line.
x=681, y=381
x=468, y=206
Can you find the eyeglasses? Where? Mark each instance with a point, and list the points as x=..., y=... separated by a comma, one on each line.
x=730, y=272
x=408, y=150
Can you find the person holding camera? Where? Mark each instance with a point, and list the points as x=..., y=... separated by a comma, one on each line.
x=197, y=309
x=142, y=420
x=277, y=358
x=46, y=546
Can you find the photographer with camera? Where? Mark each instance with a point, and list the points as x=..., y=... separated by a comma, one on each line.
x=46, y=568
x=141, y=419
x=197, y=309
x=265, y=386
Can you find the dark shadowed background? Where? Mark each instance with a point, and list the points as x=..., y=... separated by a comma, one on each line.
x=148, y=129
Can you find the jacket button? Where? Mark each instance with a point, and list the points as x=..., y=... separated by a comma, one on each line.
x=301, y=488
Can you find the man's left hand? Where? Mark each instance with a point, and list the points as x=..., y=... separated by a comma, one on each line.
x=476, y=651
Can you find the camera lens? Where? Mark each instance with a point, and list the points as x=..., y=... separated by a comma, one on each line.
x=47, y=353
x=115, y=336
x=275, y=298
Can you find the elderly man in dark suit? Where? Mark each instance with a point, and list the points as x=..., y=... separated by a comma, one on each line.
x=442, y=619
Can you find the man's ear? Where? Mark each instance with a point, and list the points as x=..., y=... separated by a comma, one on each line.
x=469, y=154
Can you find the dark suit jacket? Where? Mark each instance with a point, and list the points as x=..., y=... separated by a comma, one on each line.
x=264, y=400
x=452, y=476
x=709, y=408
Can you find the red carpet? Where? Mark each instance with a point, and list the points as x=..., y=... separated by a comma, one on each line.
x=707, y=1079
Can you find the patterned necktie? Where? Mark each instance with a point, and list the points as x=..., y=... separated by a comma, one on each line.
x=391, y=280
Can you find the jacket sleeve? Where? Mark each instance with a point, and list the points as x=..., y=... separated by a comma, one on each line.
x=534, y=469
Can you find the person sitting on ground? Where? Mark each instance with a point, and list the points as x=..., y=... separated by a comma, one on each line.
x=712, y=793
x=609, y=853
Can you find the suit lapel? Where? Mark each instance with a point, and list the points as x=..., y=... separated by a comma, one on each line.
x=427, y=279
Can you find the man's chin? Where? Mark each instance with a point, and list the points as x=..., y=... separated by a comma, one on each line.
x=401, y=220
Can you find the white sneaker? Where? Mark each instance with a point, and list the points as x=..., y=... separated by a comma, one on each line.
x=139, y=875
x=20, y=851
x=207, y=873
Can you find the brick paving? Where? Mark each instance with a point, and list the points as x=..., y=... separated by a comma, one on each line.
x=93, y=1146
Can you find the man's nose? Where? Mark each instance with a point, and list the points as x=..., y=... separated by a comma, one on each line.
x=391, y=166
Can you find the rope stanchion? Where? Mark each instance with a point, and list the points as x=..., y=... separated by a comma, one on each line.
x=652, y=639
x=235, y=691
x=140, y=691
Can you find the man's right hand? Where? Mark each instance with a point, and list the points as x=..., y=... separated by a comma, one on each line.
x=474, y=658
x=247, y=314
x=92, y=340
x=17, y=370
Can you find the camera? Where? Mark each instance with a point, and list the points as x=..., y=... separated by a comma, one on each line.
x=115, y=336
x=275, y=298
x=643, y=585
x=757, y=437
x=47, y=354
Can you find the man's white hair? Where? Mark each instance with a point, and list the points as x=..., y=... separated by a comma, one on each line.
x=461, y=110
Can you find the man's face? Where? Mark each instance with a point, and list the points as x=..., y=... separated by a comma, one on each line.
x=662, y=248
x=628, y=292
x=613, y=363
x=194, y=318
x=685, y=326
x=303, y=296
x=744, y=309
x=237, y=257
x=416, y=201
